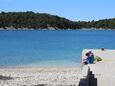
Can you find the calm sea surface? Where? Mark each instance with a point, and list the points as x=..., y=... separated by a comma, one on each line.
x=50, y=48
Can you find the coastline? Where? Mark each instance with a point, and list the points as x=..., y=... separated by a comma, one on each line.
x=52, y=28
x=40, y=76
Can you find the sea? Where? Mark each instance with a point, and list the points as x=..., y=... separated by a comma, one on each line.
x=50, y=48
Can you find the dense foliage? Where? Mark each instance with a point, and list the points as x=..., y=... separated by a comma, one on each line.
x=101, y=24
x=16, y=20
x=33, y=20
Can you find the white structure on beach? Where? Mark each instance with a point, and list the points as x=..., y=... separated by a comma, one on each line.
x=103, y=72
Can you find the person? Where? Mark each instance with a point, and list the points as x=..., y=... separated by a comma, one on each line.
x=85, y=61
x=91, y=54
x=90, y=57
x=102, y=49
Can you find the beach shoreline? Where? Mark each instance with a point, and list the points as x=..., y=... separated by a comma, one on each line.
x=48, y=76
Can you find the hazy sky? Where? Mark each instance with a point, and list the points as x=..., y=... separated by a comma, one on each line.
x=71, y=9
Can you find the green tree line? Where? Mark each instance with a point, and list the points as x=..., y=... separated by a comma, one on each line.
x=33, y=20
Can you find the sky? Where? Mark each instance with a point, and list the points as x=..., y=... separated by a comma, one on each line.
x=84, y=10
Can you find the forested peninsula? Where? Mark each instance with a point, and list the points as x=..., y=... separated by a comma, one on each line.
x=31, y=20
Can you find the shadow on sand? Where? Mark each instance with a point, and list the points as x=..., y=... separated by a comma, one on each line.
x=91, y=82
x=5, y=77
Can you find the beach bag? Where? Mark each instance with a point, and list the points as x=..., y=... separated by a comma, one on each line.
x=97, y=59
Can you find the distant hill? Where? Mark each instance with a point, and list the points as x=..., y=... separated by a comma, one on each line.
x=34, y=20
x=31, y=20
x=100, y=24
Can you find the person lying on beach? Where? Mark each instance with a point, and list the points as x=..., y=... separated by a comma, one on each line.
x=85, y=62
x=91, y=58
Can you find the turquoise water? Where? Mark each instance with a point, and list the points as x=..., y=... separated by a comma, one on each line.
x=50, y=48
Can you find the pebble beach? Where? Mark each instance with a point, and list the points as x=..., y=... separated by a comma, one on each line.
x=39, y=76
